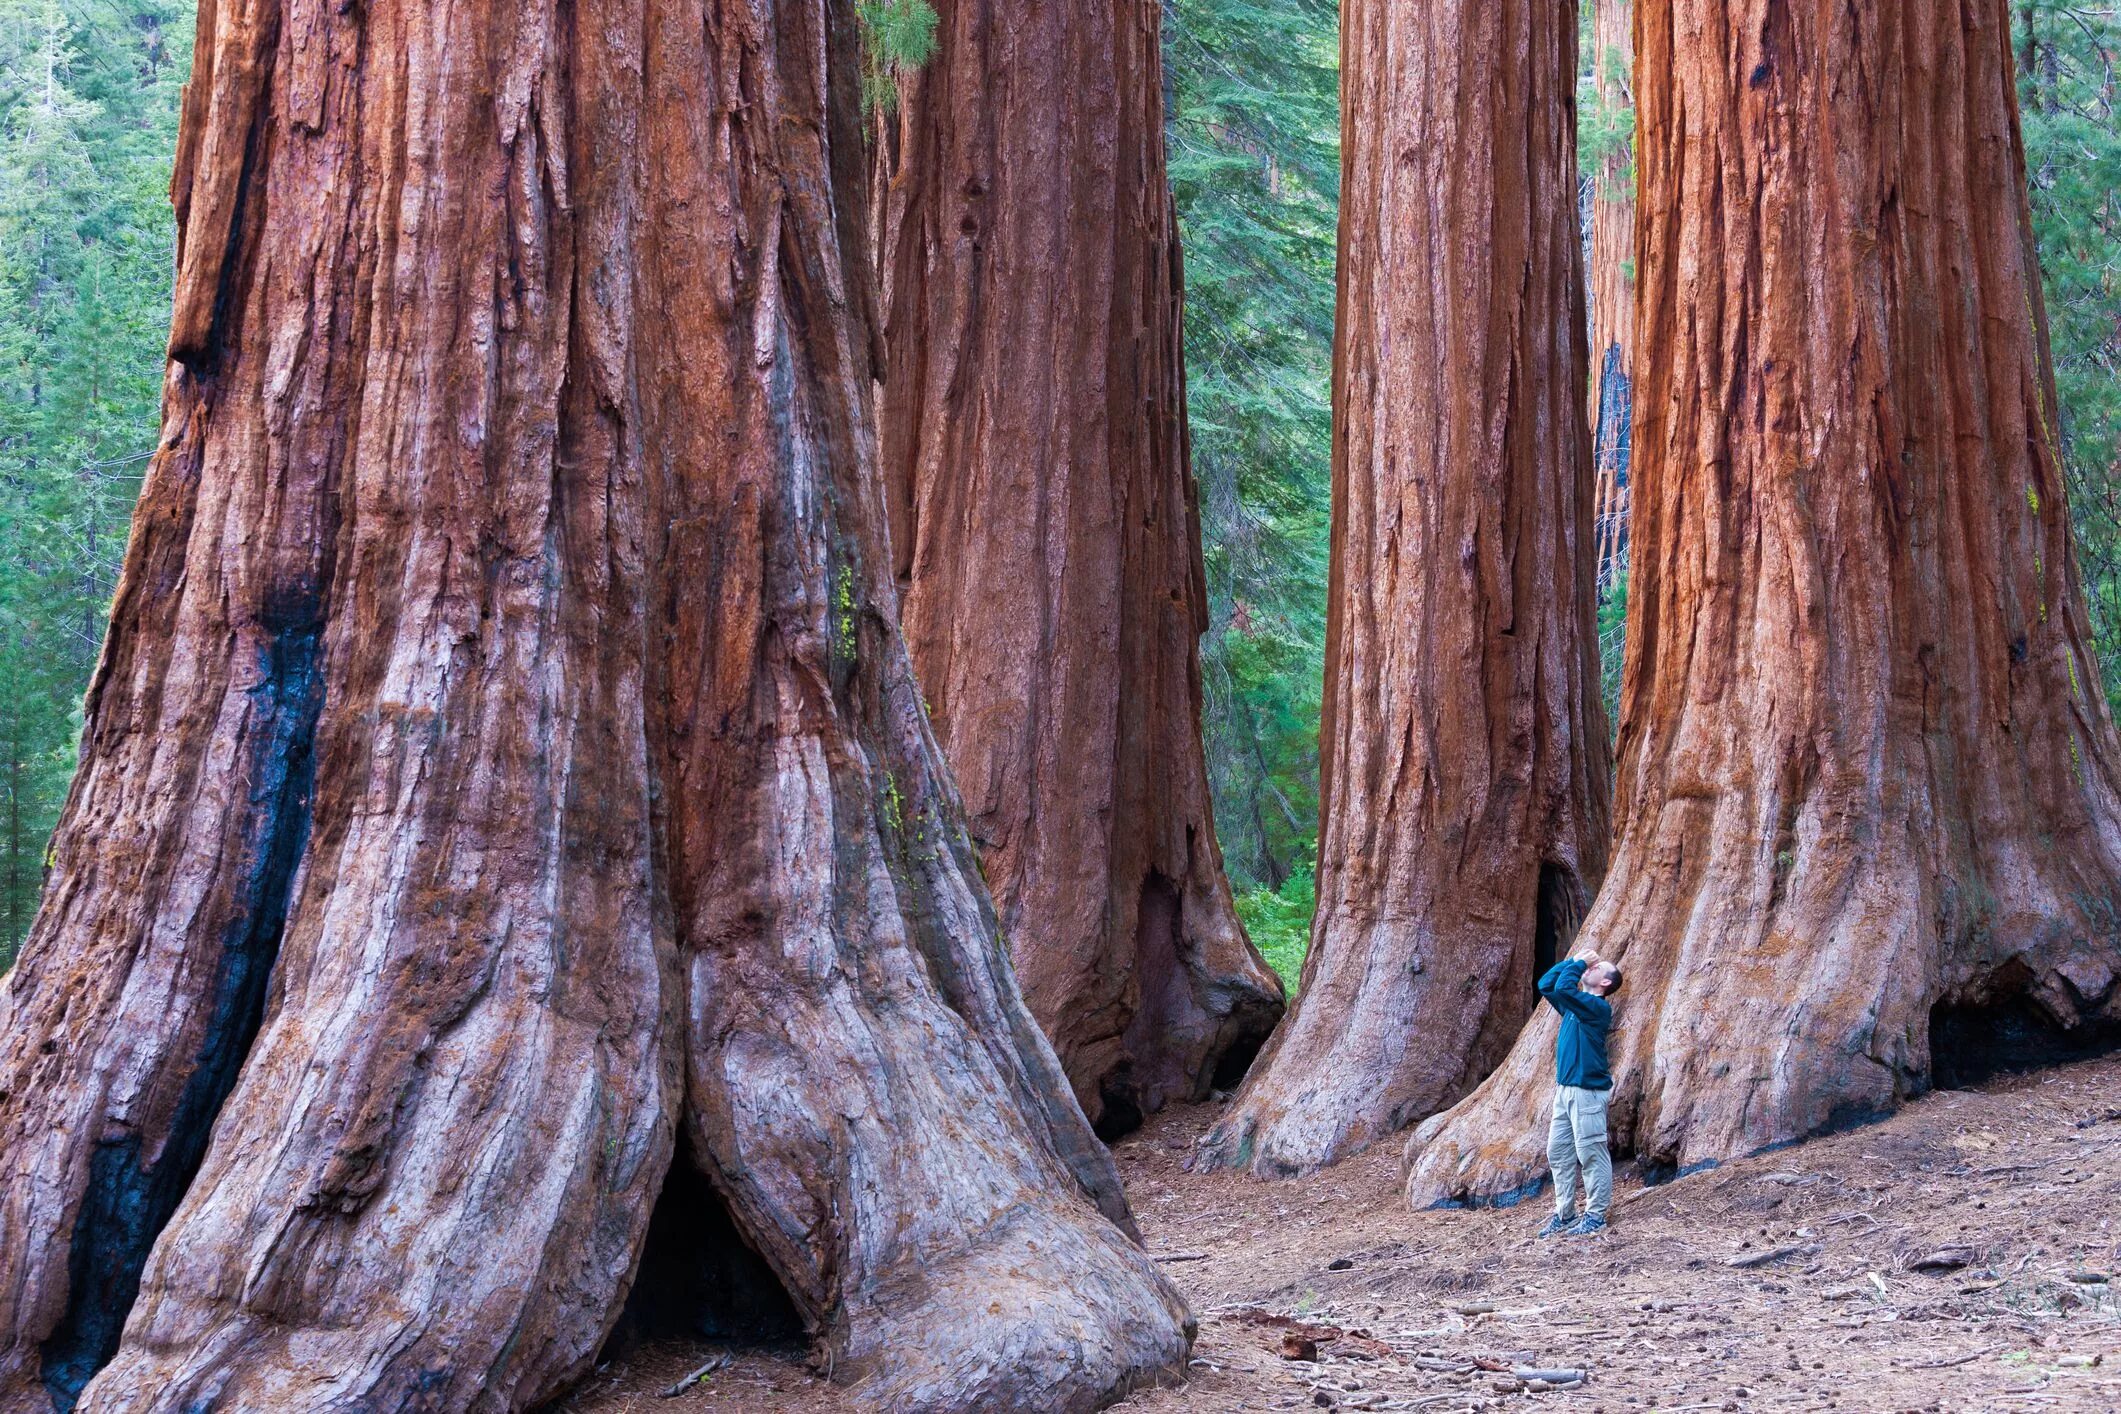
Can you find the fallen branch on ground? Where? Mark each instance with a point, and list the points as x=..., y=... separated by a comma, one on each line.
x=1955, y=1360
x=1850, y=1218
x=1552, y=1377
x=1944, y=1259
x=697, y=1375
x=1772, y=1254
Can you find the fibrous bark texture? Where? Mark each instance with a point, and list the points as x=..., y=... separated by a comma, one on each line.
x=1463, y=747
x=1612, y=302
x=506, y=666
x=1048, y=539
x=1866, y=766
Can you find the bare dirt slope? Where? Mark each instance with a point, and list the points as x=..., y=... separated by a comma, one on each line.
x=1958, y=1256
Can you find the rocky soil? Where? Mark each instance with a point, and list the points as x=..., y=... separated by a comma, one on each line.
x=1961, y=1255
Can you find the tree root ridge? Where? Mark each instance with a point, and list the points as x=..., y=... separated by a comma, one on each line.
x=2060, y=1045
x=979, y=1334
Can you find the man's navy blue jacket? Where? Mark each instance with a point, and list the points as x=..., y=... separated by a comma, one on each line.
x=1579, y=1056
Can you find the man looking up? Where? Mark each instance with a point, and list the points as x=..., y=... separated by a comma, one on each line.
x=1576, y=1140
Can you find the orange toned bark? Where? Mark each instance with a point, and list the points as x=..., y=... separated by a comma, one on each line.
x=1048, y=538
x=1867, y=773
x=518, y=474
x=1612, y=287
x=1463, y=748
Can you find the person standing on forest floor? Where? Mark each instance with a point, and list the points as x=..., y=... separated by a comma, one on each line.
x=1576, y=1141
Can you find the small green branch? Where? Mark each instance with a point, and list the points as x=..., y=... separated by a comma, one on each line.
x=897, y=36
x=843, y=619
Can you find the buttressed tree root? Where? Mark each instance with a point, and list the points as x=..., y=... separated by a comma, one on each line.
x=1867, y=770
x=504, y=766
x=1047, y=535
x=1464, y=747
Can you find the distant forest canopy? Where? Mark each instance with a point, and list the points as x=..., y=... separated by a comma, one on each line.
x=88, y=117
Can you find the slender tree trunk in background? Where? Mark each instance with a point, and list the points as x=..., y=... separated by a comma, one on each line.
x=517, y=473
x=1463, y=744
x=1048, y=539
x=1612, y=300
x=1272, y=872
x=1867, y=770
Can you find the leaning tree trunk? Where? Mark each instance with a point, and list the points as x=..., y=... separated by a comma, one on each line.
x=1048, y=539
x=1867, y=769
x=506, y=666
x=1463, y=747
x=1612, y=284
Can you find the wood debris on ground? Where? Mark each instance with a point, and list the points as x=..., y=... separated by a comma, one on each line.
x=1903, y=1266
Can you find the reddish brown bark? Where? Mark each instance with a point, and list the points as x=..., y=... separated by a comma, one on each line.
x=1867, y=770
x=1612, y=286
x=1048, y=538
x=1463, y=748
x=517, y=471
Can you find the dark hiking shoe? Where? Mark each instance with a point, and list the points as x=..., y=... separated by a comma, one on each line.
x=1555, y=1226
x=1589, y=1225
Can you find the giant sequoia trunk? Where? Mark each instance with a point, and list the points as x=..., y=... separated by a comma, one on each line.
x=506, y=667
x=1612, y=284
x=1048, y=540
x=1463, y=748
x=1868, y=779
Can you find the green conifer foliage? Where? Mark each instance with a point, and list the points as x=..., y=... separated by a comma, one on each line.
x=2068, y=90
x=1254, y=131
x=88, y=101
x=897, y=35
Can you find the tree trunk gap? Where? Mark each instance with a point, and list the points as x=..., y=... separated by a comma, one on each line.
x=1612, y=297
x=1463, y=746
x=1867, y=775
x=1047, y=536
x=504, y=769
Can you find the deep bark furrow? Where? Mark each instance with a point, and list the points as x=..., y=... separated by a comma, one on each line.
x=1867, y=773
x=1463, y=758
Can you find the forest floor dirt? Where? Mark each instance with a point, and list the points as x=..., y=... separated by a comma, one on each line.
x=1961, y=1255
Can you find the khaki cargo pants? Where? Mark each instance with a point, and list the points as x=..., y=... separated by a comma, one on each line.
x=1576, y=1142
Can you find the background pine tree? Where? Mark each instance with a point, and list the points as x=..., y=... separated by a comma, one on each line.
x=88, y=117
x=1254, y=130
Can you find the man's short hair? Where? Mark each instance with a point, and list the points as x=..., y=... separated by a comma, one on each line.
x=1615, y=971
